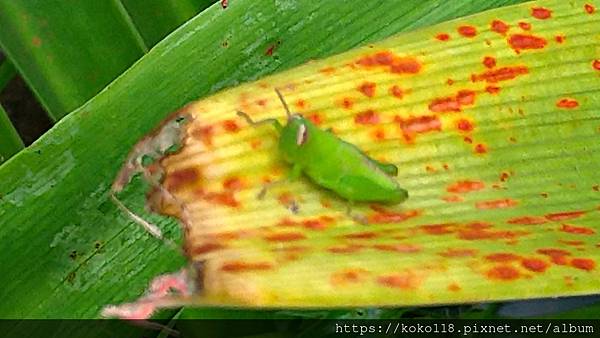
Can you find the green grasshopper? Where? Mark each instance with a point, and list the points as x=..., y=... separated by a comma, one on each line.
x=331, y=162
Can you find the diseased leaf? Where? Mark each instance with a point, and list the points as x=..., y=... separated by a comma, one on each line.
x=492, y=121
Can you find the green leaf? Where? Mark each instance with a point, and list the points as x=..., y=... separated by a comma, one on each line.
x=10, y=142
x=154, y=19
x=54, y=195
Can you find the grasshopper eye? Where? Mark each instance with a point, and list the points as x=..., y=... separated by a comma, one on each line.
x=302, y=135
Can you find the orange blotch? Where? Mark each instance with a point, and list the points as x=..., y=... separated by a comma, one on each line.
x=561, y=216
x=36, y=41
x=571, y=242
x=443, y=37
x=467, y=31
x=567, y=103
x=503, y=272
x=418, y=125
x=300, y=104
x=452, y=198
x=206, y=248
x=403, y=248
x=449, y=82
x=504, y=176
x=406, y=280
x=361, y=235
x=462, y=187
x=519, y=42
x=180, y=178
x=233, y=183
x=586, y=264
x=502, y=257
x=468, y=139
x=500, y=74
x=318, y=223
x=316, y=118
x=347, y=103
x=396, y=91
x=453, y=103
x=541, y=13
x=590, y=9
x=579, y=230
x=367, y=88
x=492, y=89
x=560, y=38
x=204, y=134
x=558, y=256
x=534, y=264
x=499, y=27
x=453, y=253
x=496, y=204
x=348, y=276
x=285, y=237
x=480, y=148
x=464, y=125
x=240, y=266
x=454, y=287
x=255, y=144
x=395, y=64
x=379, y=134
x=327, y=70
x=437, y=229
x=224, y=198
x=261, y=102
x=479, y=234
x=384, y=216
x=367, y=117
x=345, y=249
x=489, y=62
x=527, y=220
x=525, y=26
x=231, y=126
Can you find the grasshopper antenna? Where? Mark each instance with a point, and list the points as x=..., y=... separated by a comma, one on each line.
x=287, y=109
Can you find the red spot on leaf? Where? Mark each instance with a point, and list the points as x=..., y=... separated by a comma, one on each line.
x=327, y=70
x=567, y=103
x=454, y=287
x=558, y=256
x=526, y=26
x=541, y=13
x=586, y=264
x=596, y=64
x=403, y=248
x=406, y=280
x=437, y=229
x=467, y=31
x=480, y=148
x=224, y=198
x=571, y=242
x=261, y=102
x=233, y=183
x=462, y=187
x=204, y=134
x=504, y=176
x=590, y=9
x=579, y=230
x=231, y=126
x=395, y=64
x=452, y=198
x=347, y=103
x=500, y=74
x=489, y=62
x=285, y=237
x=384, y=216
x=300, y=104
x=367, y=117
x=499, y=27
x=367, y=88
x=527, y=220
x=396, y=91
x=464, y=125
x=453, y=103
x=503, y=272
x=561, y=216
x=348, y=276
x=443, y=37
x=496, y=204
x=534, y=264
x=180, y=178
x=345, y=249
x=379, y=134
x=361, y=235
x=492, y=89
x=418, y=125
x=206, y=248
x=240, y=266
x=316, y=118
x=560, y=38
x=525, y=41
x=503, y=257
x=455, y=253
